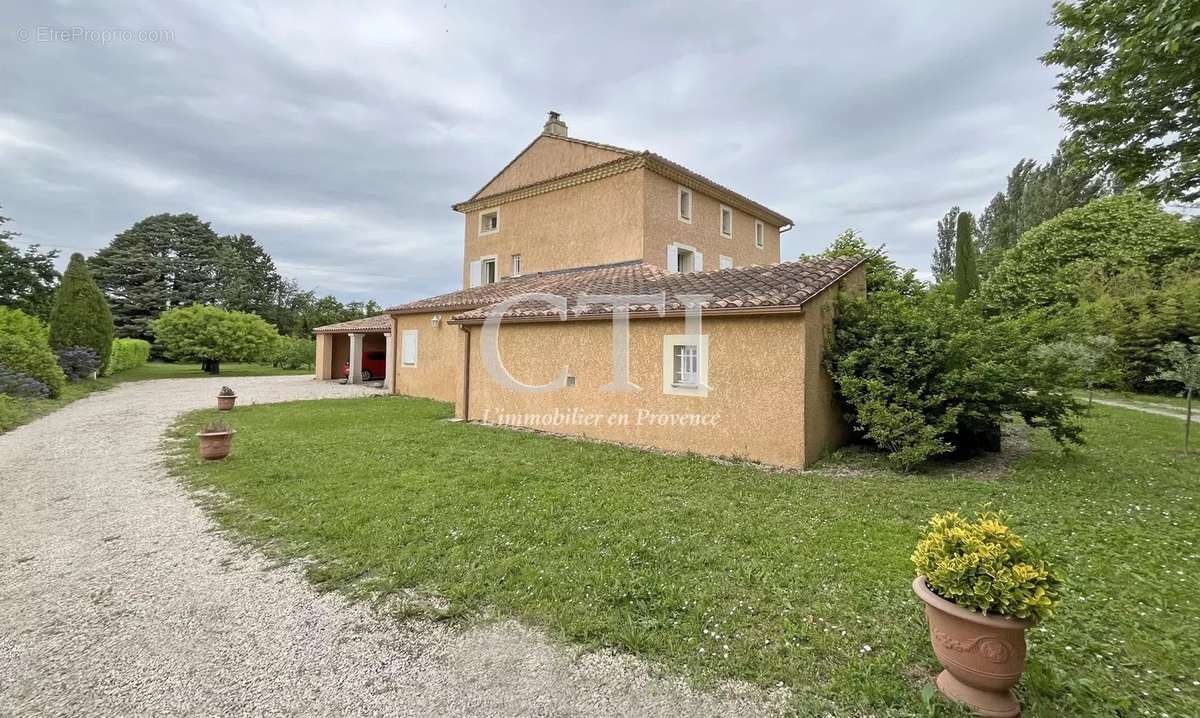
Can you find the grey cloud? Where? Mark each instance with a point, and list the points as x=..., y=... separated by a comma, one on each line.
x=340, y=139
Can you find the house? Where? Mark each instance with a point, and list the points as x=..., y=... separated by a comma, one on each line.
x=617, y=295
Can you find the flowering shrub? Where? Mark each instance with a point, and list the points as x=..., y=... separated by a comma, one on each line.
x=983, y=566
x=226, y=391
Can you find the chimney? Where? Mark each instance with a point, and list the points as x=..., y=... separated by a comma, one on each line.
x=554, y=126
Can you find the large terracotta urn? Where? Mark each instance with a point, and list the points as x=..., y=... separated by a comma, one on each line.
x=983, y=655
x=215, y=444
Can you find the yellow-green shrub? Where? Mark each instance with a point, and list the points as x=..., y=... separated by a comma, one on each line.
x=127, y=354
x=983, y=566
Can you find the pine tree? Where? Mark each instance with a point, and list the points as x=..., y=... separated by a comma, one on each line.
x=81, y=316
x=966, y=273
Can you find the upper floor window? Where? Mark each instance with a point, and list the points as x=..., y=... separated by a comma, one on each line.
x=726, y=222
x=516, y=264
x=685, y=205
x=489, y=222
x=760, y=234
x=487, y=271
x=682, y=258
x=725, y=262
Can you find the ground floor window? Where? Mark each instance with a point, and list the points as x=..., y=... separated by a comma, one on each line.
x=685, y=364
x=408, y=347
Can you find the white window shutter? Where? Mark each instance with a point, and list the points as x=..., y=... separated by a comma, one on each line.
x=672, y=258
x=697, y=262
x=476, y=273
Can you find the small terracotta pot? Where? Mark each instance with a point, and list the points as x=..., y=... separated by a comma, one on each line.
x=984, y=656
x=215, y=445
x=225, y=403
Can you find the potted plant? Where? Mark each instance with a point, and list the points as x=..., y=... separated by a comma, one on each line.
x=982, y=587
x=226, y=398
x=216, y=439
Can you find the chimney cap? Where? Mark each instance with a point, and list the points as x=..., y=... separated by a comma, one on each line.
x=555, y=126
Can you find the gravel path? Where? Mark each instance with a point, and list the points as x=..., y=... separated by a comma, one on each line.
x=1180, y=414
x=119, y=597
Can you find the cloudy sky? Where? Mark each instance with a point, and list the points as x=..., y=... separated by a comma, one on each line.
x=339, y=138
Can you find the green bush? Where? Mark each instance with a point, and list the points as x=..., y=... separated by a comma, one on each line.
x=80, y=316
x=25, y=348
x=983, y=566
x=1107, y=236
x=211, y=335
x=128, y=354
x=296, y=353
x=920, y=376
x=1141, y=313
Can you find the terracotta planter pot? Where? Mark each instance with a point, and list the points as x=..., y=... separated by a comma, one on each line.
x=225, y=403
x=215, y=445
x=984, y=656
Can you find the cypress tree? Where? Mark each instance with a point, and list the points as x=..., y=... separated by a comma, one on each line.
x=966, y=271
x=80, y=316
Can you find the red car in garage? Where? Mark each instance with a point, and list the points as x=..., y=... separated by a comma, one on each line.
x=374, y=366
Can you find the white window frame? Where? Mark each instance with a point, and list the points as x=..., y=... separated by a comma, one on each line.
x=495, y=262
x=721, y=222
x=691, y=204
x=516, y=265
x=673, y=254
x=700, y=388
x=724, y=262
x=760, y=234
x=495, y=211
x=404, y=335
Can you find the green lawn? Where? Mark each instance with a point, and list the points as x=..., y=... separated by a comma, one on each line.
x=15, y=412
x=730, y=572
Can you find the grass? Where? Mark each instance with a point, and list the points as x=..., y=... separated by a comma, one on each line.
x=719, y=571
x=15, y=412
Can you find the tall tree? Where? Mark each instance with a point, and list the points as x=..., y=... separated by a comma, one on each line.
x=81, y=316
x=943, y=252
x=27, y=278
x=966, y=271
x=163, y=261
x=1128, y=89
x=248, y=279
x=1033, y=194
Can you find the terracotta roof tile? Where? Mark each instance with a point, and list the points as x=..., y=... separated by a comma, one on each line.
x=378, y=323
x=489, y=294
x=788, y=284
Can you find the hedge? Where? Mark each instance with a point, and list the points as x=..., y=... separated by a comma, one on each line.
x=127, y=354
x=25, y=348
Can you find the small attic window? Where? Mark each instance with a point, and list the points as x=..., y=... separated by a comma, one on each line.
x=489, y=222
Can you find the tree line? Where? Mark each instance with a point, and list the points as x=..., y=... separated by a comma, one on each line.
x=175, y=260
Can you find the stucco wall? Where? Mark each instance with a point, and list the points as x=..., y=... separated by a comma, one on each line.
x=323, y=366
x=662, y=227
x=547, y=157
x=592, y=223
x=756, y=378
x=439, y=358
x=825, y=427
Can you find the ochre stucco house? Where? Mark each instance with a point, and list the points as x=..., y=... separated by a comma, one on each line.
x=570, y=218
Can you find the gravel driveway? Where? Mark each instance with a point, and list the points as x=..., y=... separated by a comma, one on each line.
x=119, y=597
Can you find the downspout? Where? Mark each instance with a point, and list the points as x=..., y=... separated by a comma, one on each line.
x=466, y=393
